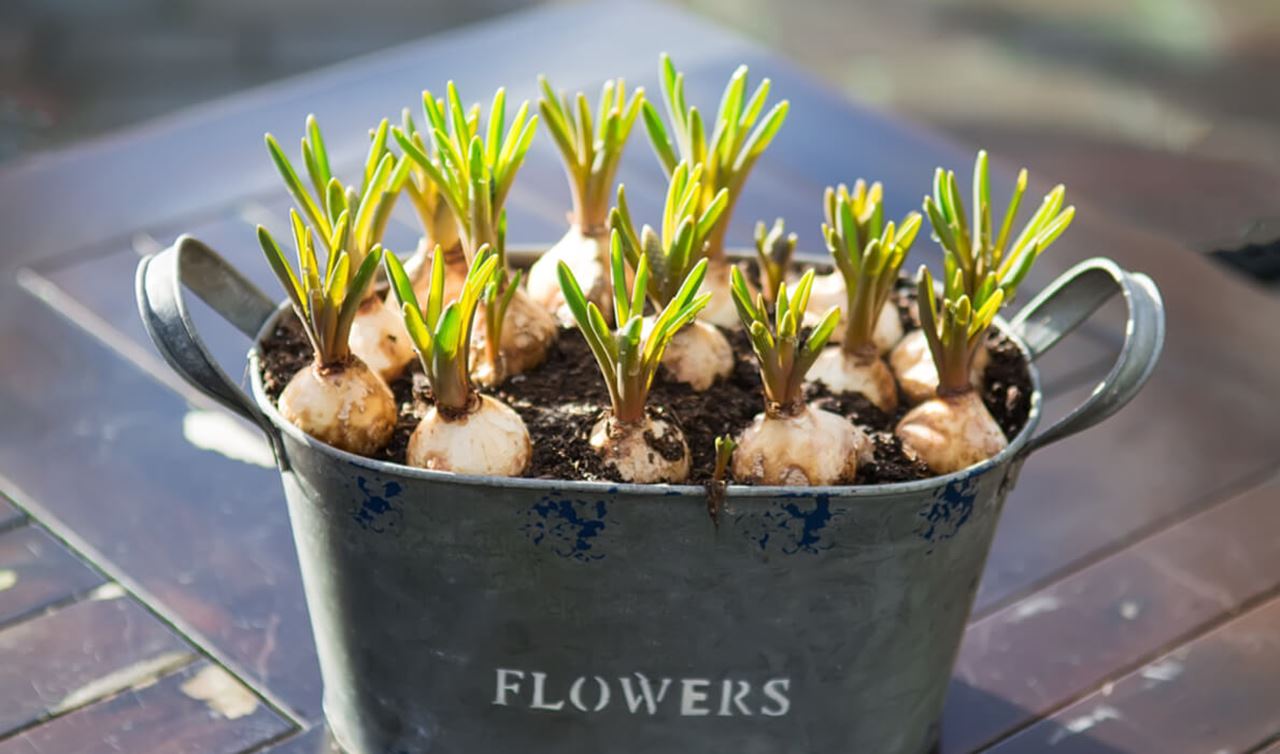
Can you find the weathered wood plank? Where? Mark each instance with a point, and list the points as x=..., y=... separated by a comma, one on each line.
x=80, y=654
x=129, y=181
x=202, y=536
x=1065, y=640
x=1184, y=443
x=1215, y=694
x=201, y=709
x=1133, y=183
x=36, y=571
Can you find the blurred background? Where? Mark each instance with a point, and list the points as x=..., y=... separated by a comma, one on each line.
x=1162, y=92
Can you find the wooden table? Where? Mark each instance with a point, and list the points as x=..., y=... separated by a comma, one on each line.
x=149, y=596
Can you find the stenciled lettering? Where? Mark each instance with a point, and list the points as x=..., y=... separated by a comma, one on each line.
x=728, y=697
x=641, y=695
x=506, y=686
x=575, y=694
x=647, y=695
x=539, y=694
x=692, y=693
x=777, y=690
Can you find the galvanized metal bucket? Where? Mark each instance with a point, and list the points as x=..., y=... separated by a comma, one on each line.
x=476, y=614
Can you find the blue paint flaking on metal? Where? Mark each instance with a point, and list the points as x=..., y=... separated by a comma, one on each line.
x=950, y=508
x=567, y=526
x=376, y=512
x=792, y=527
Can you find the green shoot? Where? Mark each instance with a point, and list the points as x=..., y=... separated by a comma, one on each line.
x=671, y=255
x=590, y=151
x=867, y=253
x=981, y=252
x=477, y=162
x=325, y=302
x=784, y=359
x=497, y=299
x=368, y=206
x=627, y=356
x=774, y=250
x=725, y=445
x=957, y=330
x=739, y=135
x=438, y=223
x=441, y=332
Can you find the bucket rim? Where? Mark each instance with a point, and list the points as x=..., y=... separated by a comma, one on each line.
x=732, y=492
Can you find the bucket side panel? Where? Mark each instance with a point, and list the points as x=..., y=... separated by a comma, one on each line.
x=456, y=618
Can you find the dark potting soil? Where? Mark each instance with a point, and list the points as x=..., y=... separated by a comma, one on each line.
x=561, y=400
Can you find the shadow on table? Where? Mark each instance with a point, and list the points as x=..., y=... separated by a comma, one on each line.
x=975, y=719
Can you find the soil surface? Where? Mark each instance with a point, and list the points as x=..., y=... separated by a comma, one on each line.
x=561, y=400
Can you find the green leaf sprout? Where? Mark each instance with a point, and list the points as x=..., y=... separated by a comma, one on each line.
x=725, y=445
x=497, y=299
x=477, y=162
x=591, y=151
x=326, y=303
x=957, y=330
x=739, y=135
x=368, y=206
x=434, y=213
x=441, y=332
x=774, y=250
x=868, y=255
x=784, y=359
x=628, y=357
x=982, y=267
x=981, y=252
x=671, y=255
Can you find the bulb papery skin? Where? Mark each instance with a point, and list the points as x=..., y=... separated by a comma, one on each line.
x=697, y=355
x=527, y=334
x=720, y=310
x=828, y=291
x=378, y=338
x=809, y=448
x=346, y=406
x=585, y=256
x=624, y=447
x=888, y=328
x=843, y=372
x=917, y=375
x=490, y=440
x=951, y=433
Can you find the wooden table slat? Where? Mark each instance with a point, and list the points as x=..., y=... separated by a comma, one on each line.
x=36, y=571
x=79, y=654
x=1181, y=445
x=203, y=537
x=200, y=709
x=1215, y=694
x=1067, y=639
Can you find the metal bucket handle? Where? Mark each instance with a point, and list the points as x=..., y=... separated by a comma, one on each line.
x=164, y=312
x=1069, y=301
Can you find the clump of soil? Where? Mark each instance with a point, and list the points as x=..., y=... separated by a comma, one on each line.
x=561, y=400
